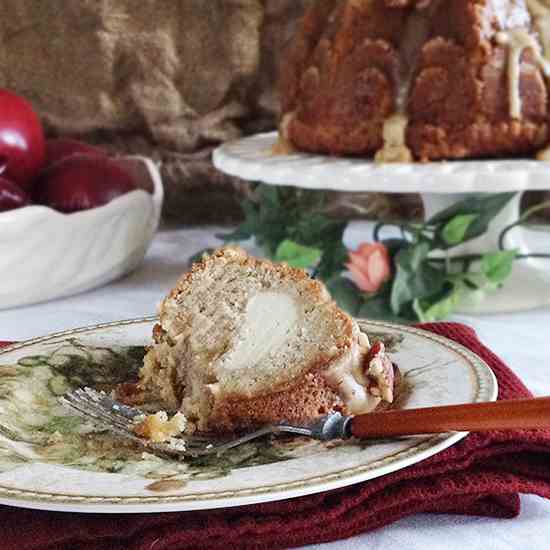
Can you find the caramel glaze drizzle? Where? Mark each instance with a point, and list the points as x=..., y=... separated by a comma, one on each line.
x=518, y=40
x=414, y=37
x=395, y=127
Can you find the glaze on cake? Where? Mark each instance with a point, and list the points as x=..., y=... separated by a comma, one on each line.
x=404, y=80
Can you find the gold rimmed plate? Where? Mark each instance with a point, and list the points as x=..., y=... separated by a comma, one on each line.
x=52, y=461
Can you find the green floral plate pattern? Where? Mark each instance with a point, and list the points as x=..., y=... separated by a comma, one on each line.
x=52, y=460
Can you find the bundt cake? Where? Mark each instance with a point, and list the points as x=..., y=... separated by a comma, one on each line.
x=420, y=80
x=242, y=342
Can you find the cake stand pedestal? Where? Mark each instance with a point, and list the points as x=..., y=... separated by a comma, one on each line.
x=440, y=184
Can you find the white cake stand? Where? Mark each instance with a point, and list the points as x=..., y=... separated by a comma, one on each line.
x=440, y=185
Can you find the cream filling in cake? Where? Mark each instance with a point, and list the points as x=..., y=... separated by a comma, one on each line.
x=269, y=320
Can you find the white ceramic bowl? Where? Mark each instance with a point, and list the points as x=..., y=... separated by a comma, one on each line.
x=45, y=254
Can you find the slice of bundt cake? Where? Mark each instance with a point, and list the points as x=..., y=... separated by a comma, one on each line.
x=243, y=341
x=418, y=79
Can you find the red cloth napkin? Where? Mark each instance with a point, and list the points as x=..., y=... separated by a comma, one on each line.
x=483, y=475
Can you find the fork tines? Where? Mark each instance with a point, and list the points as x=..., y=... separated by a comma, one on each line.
x=93, y=405
x=98, y=407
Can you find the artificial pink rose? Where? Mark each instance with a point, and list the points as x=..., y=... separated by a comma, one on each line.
x=370, y=266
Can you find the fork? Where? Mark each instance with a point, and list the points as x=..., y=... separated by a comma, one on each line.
x=472, y=417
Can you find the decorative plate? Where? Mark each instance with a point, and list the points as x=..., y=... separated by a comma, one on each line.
x=252, y=159
x=54, y=461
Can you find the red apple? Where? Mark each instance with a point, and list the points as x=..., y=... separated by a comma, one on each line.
x=81, y=182
x=11, y=196
x=22, y=149
x=61, y=148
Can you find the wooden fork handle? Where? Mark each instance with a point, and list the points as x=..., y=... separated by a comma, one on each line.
x=475, y=417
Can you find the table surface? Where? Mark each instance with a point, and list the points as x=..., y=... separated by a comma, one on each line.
x=522, y=340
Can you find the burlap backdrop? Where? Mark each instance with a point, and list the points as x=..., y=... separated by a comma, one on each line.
x=165, y=78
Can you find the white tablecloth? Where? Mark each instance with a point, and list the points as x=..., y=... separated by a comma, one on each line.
x=521, y=339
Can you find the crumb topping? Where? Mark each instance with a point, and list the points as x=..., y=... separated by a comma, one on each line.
x=158, y=428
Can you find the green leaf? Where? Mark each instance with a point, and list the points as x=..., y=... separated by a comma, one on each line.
x=473, y=298
x=345, y=294
x=326, y=234
x=485, y=206
x=441, y=308
x=379, y=307
x=269, y=195
x=473, y=280
x=242, y=233
x=394, y=245
x=414, y=277
x=281, y=214
x=246, y=229
x=297, y=255
x=335, y=254
x=474, y=204
x=497, y=267
x=454, y=232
